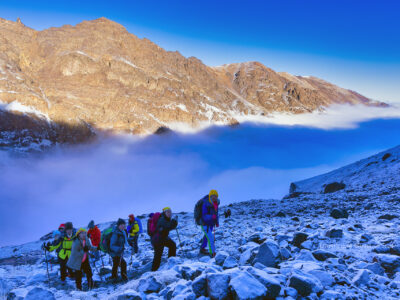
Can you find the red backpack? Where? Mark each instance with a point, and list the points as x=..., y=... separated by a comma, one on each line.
x=152, y=223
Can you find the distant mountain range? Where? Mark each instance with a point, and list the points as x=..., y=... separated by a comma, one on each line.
x=63, y=84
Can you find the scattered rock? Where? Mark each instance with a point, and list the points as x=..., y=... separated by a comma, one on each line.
x=149, y=285
x=304, y=284
x=334, y=233
x=299, y=238
x=218, y=285
x=280, y=214
x=386, y=156
x=230, y=262
x=362, y=278
x=129, y=295
x=389, y=262
x=272, y=285
x=268, y=254
x=220, y=257
x=334, y=187
x=199, y=285
x=338, y=213
x=323, y=255
x=245, y=286
x=388, y=217
x=365, y=238
x=39, y=294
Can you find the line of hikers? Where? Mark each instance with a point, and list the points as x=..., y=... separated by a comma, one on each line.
x=73, y=246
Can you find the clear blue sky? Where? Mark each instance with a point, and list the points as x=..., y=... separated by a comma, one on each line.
x=355, y=44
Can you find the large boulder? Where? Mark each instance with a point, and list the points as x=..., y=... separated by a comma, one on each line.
x=375, y=268
x=334, y=233
x=230, y=262
x=388, y=217
x=129, y=295
x=339, y=213
x=218, y=285
x=245, y=286
x=324, y=277
x=199, y=286
x=268, y=254
x=305, y=255
x=38, y=293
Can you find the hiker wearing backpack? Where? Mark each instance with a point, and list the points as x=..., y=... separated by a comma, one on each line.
x=159, y=226
x=79, y=259
x=133, y=230
x=209, y=219
x=94, y=235
x=117, y=247
x=64, y=250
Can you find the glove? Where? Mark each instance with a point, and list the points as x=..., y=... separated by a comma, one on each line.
x=174, y=223
x=46, y=246
x=214, y=217
x=217, y=225
x=86, y=248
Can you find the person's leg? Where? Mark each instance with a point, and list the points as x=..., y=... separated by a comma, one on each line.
x=210, y=238
x=158, y=251
x=114, y=272
x=135, y=243
x=204, y=241
x=88, y=271
x=171, y=247
x=63, y=268
x=78, y=279
x=123, y=269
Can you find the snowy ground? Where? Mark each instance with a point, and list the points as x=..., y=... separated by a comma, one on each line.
x=285, y=249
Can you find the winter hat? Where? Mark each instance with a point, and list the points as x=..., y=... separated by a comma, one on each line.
x=131, y=217
x=120, y=222
x=166, y=208
x=80, y=230
x=62, y=226
x=91, y=224
x=68, y=225
x=213, y=192
x=55, y=233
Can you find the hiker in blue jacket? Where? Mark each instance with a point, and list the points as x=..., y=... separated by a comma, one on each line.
x=209, y=219
x=117, y=248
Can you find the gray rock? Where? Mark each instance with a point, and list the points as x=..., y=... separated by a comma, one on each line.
x=218, y=285
x=391, y=263
x=284, y=254
x=247, y=257
x=388, y=217
x=338, y=213
x=245, y=286
x=375, y=268
x=334, y=233
x=362, y=278
x=305, y=284
x=199, y=285
x=220, y=257
x=39, y=294
x=149, y=285
x=365, y=238
x=324, y=277
x=272, y=285
x=305, y=255
x=299, y=238
x=129, y=295
x=230, y=262
x=381, y=249
x=323, y=255
x=268, y=254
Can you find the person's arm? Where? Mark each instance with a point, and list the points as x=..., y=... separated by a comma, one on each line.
x=207, y=217
x=55, y=244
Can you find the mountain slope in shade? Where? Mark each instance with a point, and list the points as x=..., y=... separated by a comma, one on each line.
x=98, y=75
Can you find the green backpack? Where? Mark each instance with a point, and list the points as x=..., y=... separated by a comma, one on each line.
x=105, y=240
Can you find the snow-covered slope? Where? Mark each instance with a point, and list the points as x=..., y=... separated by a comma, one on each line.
x=338, y=245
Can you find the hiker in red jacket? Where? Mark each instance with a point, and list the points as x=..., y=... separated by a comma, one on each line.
x=94, y=234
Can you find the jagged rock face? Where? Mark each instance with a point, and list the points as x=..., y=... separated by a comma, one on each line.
x=98, y=74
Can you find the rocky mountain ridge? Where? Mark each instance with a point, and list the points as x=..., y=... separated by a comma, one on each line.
x=98, y=77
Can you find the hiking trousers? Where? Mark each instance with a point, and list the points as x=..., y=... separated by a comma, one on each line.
x=133, y=241
x=85, y=268
x=208, y=239
x=119, y=261
x=64, y=269
x=159, y=249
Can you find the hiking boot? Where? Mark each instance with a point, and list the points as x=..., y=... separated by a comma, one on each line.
x=124, y=277
x=203, y=251
x=213, y=255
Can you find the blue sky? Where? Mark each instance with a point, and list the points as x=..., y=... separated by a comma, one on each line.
x=355, y=44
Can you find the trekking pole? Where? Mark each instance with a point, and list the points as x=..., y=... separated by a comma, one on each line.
x=94, y=263
x=47, y=267
x=179, y=239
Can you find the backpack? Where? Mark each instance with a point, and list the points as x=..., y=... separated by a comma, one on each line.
x=140, y=225
x=105, y=240
x=152, y=223
x=198, y=211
